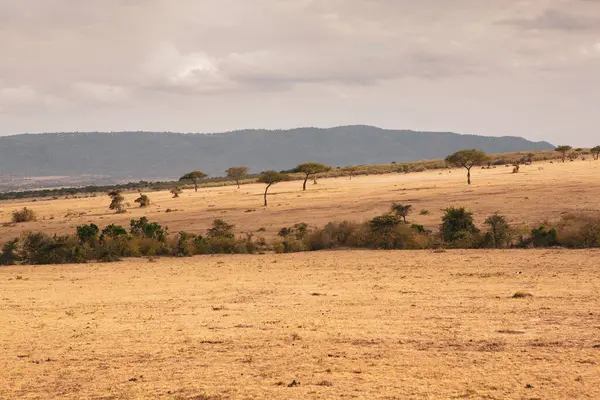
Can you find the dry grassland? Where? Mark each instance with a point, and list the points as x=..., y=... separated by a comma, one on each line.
x=343, y=324
x=527, y=197
x=346, y=324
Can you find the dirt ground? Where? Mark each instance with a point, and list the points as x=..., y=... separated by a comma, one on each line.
x=344, y=324
x=539, y=191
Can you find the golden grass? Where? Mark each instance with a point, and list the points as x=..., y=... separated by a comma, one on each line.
x=345, y=324
x=527, y=197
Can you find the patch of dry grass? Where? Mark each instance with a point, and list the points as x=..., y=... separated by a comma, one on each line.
x=393, y=325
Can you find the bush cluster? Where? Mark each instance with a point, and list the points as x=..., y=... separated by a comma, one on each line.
x=389, y=231
x=114, y=242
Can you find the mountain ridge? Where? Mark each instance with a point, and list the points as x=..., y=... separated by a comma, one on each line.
x=135, y=155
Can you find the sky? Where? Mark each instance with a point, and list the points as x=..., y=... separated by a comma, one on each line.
x=488, y=67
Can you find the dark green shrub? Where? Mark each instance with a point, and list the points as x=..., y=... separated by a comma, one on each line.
x=112, y=231
x=541, y=236
x=144, y=229
x=87, y=233
x=10, y=253
x=499, y=234
x=39, y=248
x=185, y=244
x=457, y=225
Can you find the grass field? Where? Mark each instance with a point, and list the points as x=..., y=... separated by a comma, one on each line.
x=528, y=197
x=342, y=324
x=347, y=324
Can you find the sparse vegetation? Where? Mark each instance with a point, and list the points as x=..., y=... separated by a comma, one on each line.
x=176, y=191
x=143, y=200
x=595, y=151
x=23, y=215
x=401, y=210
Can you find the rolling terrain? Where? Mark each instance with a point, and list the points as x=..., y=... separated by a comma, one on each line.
x=90, y=158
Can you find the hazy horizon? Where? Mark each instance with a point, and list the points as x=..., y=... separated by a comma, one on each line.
x=494, y=68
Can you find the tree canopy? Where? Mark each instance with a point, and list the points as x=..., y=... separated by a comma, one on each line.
x=237, y=173
x=195, y=177
x=467, y=159
x=595, y=151
x=310, y=169
x=564, y=150
x=271, y=178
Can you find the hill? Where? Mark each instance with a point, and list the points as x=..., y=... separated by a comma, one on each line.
x=112, y=157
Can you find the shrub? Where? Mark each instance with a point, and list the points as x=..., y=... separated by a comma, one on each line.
x=24, y=215
x=117, y=201
x=39, y=248
x=334, y=234
x=185, y=244
x=499, y=233
x=457, y=225
x=542, y=236
x=579, y=231
x=144, y=229
x=424, y=212
x=87, y=233
x=143, y=200
x=9, y=254
x=176, y=191
x=221, y=229
x=112, y=231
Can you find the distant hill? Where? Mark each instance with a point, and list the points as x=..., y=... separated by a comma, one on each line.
x=112, y=157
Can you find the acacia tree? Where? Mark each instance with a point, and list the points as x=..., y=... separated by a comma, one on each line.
x=467, y=159
x=595, y=152
x=563, y=150
x=237, y=174
x=271, y=178
x=351, y=170
x=401, y=210
x=311, y=169
x=117, y=201
x=195, y=177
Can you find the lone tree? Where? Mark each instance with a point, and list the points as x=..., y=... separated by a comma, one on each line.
x=143, y=200
x=351, y=170
x=117, y=201
x=195, y=177
x=564, y=151
x=595, y=152
x=401, y=210
x=311, y=169
x=176, y=191
x=271, y=178
x=237, y=174
x=467, y=159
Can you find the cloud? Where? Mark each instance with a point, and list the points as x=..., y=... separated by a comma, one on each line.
x=553, y=19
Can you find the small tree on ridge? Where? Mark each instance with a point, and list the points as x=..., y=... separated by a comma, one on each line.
x=237, y=174
x=564, y=150
x=271, y=178
x=311, y=169
x=467, y=159
x=195, y=177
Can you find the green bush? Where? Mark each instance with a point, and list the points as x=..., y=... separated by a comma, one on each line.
x=499, y=233
x=542, y=236
x=87, y=233
x=9, y=254
x=457, y=226
x=144, y=229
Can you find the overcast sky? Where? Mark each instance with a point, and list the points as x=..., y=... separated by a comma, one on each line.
x=490, y=67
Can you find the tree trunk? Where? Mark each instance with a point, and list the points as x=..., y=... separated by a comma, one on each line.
x=469, y=176
x=238, y=183
x=304, y=184
x=195, y=186
x=266, y=189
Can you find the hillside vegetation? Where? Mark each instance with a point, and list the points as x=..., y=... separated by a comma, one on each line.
x=114, y=157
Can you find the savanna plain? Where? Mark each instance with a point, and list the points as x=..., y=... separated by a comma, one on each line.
x=321, y=325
